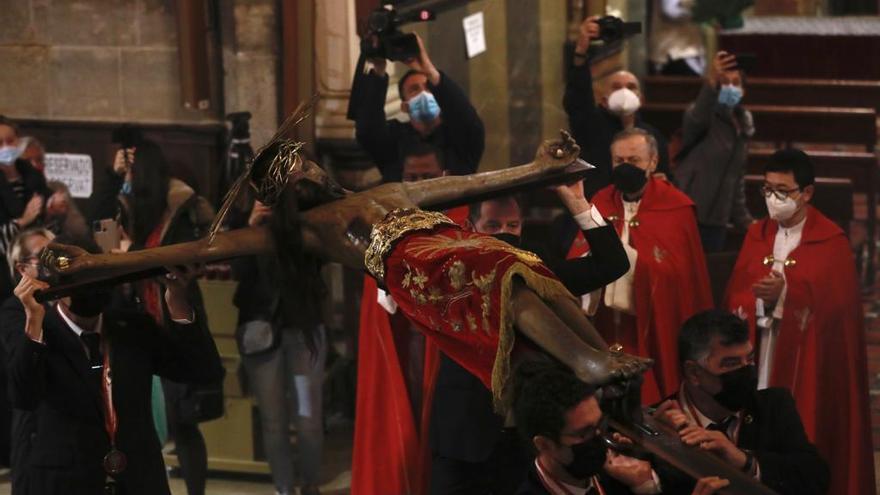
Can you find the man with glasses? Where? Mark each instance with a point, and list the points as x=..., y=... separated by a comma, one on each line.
x=16, y=425
x=795, y=283
x=559, y=417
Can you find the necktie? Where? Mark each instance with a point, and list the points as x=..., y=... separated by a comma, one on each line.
x=92, y=340
x=723, y=426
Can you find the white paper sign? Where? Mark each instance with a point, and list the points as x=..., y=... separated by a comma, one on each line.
x=474, y=37
x=74, y=171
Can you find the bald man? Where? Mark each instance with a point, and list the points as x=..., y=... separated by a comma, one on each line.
x=594, y=122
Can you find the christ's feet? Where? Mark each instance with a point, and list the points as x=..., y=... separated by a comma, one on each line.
x=607, y=367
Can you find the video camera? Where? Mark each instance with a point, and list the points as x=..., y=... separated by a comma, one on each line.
x=614, y=28
x=384, y=27
x=239, y=125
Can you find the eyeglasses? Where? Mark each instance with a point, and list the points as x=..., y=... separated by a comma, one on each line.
x=585, y=436
x=30, y=261
x=779, y=193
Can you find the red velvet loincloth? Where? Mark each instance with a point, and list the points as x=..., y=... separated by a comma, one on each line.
x=456, y=286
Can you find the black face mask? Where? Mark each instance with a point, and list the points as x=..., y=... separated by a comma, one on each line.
x=628, y=178
x=737, y=387
x=589, y=458
x=91, y=304
x=512, y=239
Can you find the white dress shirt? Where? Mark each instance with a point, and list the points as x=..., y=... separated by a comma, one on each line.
x=619, y=294
x=556, y=487
x=586, y=220
x=386, y=301
x=786, y=241
x=590, y=219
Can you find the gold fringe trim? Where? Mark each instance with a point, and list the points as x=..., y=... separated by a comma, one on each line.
x=546, y=288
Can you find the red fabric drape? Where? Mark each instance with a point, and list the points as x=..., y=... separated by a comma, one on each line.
x=820, y=351
x=671, y=282
x=150, y=289
x=391, y=451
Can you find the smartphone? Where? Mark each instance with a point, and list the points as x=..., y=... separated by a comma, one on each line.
x=107, y=234
x=746, y=62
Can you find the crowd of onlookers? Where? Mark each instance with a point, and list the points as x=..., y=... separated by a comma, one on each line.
x=647, y=217
x=771, y=380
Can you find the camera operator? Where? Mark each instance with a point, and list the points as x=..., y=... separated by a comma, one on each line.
x=439, y=112
x=593, y=123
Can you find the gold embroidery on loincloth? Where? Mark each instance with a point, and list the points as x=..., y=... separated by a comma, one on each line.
x=484, y=284
x=443, y=244
x=456, y=274
x=391, y=229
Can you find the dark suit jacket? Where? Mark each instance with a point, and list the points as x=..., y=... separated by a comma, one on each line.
x=23, y=424
x=533, y=486
x=789, y=463
x=464, y=425
x=52, y=380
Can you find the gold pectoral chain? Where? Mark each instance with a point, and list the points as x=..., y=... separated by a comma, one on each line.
x=633, y=222
x=770, y=259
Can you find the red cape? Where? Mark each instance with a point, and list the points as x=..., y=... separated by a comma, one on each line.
x=391, y=453
x=671, y=280
x=820, y=352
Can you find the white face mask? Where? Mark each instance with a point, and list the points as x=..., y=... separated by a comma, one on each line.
x=781, y=209
x=624, y=102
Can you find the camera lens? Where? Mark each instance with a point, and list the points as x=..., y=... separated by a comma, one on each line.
x=379, y=21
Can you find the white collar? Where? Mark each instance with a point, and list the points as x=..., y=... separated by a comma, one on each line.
x=76, y=328
x=795, y=229
x=690, y=409
x=565, y=487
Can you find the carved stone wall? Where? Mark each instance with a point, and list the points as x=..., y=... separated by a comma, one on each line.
x=99, y=60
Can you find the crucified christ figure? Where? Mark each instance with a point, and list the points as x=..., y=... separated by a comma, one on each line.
x=468, y=291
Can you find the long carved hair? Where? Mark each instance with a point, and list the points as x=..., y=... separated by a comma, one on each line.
x=299, y=273
x=282, y=177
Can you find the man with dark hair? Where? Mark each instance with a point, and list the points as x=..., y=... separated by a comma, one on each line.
x=559, y=416
x=795, y=283
x=667, y=281
x=719, y=409
x=93, y=425
x=439, y=113
x=711, y=164
x=594, y=123
x=422, y=161
x=497, y=216
x=471, y=451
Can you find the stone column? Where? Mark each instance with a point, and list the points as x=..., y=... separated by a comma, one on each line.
x=337, y=47
x=250, y=61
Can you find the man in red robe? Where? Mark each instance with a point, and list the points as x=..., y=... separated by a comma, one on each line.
x=795, y=283
x=668, y=281
x=397, y=367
